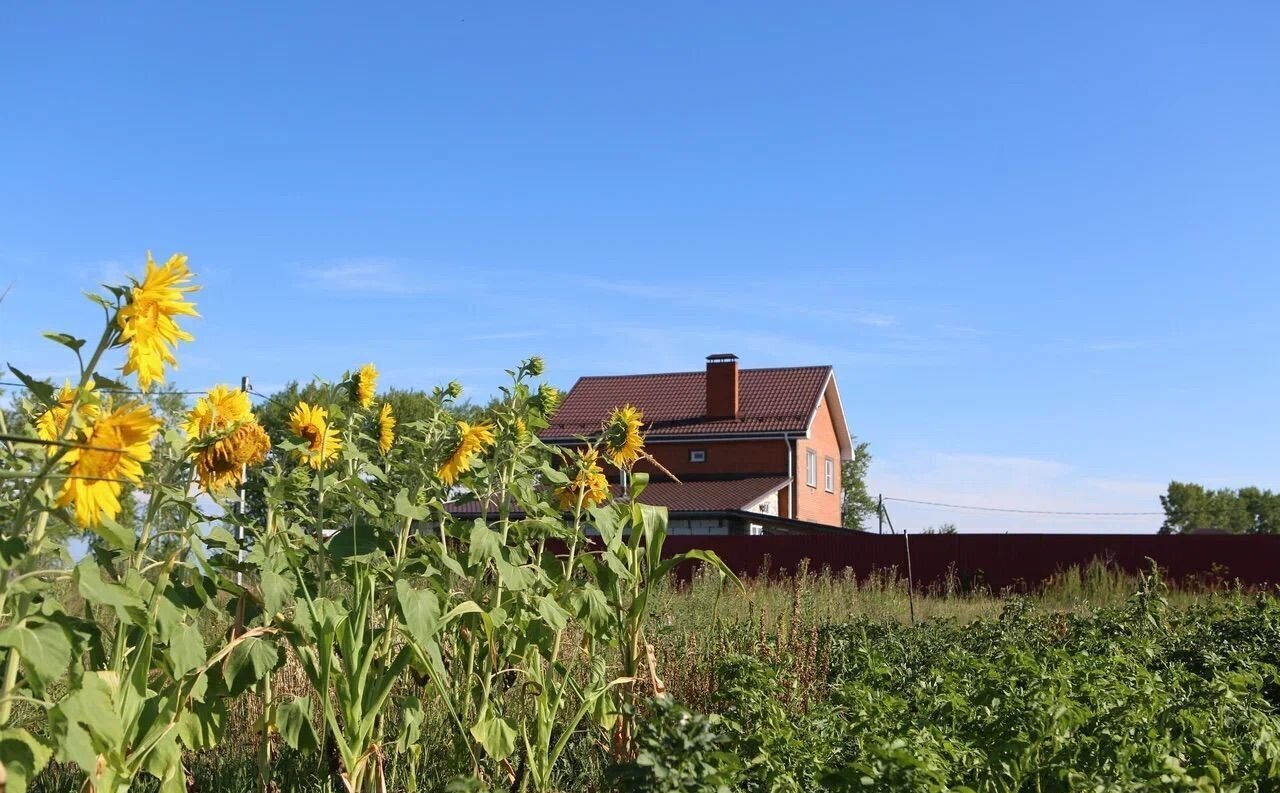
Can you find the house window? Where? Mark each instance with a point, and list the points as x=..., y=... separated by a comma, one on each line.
x=811, y=468
x=829, y=474
x=697, y=455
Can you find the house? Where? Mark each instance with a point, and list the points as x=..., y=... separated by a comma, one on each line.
x=754, y=450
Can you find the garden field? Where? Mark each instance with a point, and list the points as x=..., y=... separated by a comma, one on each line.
x=199, y=596
x=1101, y=682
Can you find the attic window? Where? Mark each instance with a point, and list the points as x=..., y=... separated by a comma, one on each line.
x=697, y=455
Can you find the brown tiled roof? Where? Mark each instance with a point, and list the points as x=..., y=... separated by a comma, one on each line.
x=724, y=495
x=770, y=400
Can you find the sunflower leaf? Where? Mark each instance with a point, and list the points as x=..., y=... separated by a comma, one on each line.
x=21, y=757
x=111, y=531
x=293, y=719
x=43, y=646
x=41, y=390
x=65, y=339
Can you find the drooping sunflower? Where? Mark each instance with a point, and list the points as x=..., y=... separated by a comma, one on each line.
x=147, y=321
x=547, y=399
x=623, y=443
x=312, y=425
x=365, y=384
x=386, y=428
x=49, y=424
x=117, y=444
x=472, y=438
x=226, y=437
x=590, y=482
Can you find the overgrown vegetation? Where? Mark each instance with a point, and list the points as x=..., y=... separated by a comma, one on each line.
x=385, y=624
x=354, y=573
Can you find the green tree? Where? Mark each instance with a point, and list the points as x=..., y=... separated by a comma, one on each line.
x=1249, y=510
x=857, y=505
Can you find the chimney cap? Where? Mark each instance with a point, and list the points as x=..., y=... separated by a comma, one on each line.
x=722, y=357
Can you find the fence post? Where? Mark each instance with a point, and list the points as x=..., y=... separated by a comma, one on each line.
x=911, y=586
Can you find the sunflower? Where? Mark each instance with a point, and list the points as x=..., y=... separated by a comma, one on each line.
x=147, y=322
x=220, y=465
x=590, y=483
x=547, y=400
x=117, y=444
x=312, y=425
x=226, y=437
x=472, y=438
x=365, y=383
x=386, y=428
x=623, y=443
x=49, y=424
x=217, y=411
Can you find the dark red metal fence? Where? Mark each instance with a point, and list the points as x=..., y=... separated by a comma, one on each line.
x=1002, y=560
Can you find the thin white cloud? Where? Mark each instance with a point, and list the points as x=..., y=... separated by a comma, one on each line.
x=874, y=320
x=1113, y=346
x=503, y=335
x=371, y=276
x=714, y=296
x=1001, y=482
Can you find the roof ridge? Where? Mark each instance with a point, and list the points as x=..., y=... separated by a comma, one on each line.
x=701, y=372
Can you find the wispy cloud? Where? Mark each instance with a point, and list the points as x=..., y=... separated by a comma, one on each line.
x=1000, y=482
x=715, y=296
x=371, y=276
x=503, y=335
x=1111, y=346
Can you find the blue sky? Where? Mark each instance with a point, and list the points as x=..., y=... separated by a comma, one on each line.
x=1039, y=244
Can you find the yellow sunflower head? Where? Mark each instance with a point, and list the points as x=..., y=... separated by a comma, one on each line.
x=115, y=445
x=50, y=423
x=589, y=482
x=364, y=384
x=311, y=424
x=219, y=410
x=623, y=443
x=386, y=428
x=226, y=437
x=472, y=438
x=147, y=321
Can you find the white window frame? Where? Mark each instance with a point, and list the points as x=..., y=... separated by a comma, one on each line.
x=697, y=455
x=811, y=468
x=829, y=474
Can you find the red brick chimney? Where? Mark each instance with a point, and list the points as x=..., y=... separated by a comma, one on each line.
x=722, y=386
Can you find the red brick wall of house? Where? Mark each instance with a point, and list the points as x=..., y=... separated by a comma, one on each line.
x=741, y=458
x=816, y=503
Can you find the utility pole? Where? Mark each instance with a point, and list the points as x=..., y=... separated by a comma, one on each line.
x=880, y=512
x=244, y=473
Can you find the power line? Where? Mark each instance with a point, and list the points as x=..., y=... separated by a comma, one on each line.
x=1022, y=511
x=122, y=390
x=249, y=390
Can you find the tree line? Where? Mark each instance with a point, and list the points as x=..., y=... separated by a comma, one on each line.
x=1190, y=507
